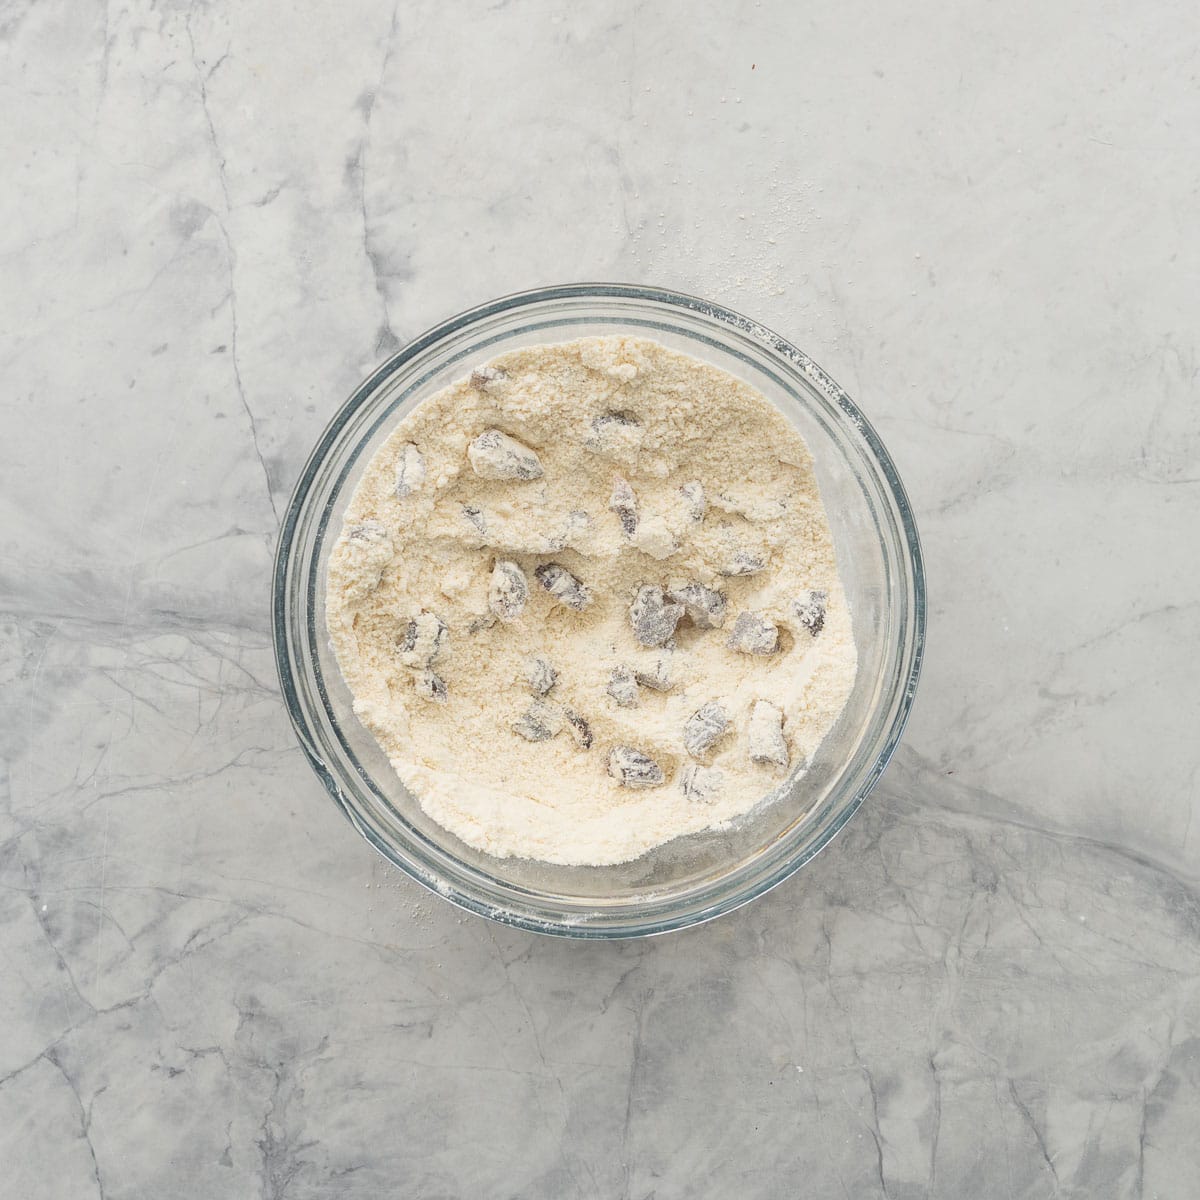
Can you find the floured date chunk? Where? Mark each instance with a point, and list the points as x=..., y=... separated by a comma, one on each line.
x=539, y=674
x=743, y=562
x=423, y=639
x=563, y=586
x=704, y=728
x=633, y=769
x=810, y=611
x=540, y=722
x=369, y=534
x=579, y=728
x=495, y=455
x=483, y=377
x=701, y=784
x=474, y=516
x=652, y=617
x=508, y=591
x=623, y=502
x=657, y=672
x=368, y=551
x=764, y=735
x=431, y=686
x=410, y=470
x=694, y=503
x=614, y=435
x=752, y=633
x=622, y=687
x=704, y=606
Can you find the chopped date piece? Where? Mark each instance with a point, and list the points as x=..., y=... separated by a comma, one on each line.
x=530, y=730
x=370, y=533
x=541, y=722
x=563, y=586
x=742, y=562
x=483, y=377
x=614, y=433
x=431, y=686
x=422, y=640
x=619, y=417
x=475, y=517
x=633, y=769
x=693, y=500
x=705, y=728
x=539, y=674
x=495, y=455
x=701, y=784
x=508, y=591
x=811, y=612
x=765, y=735
x=622, y=687
x=657, y=674
x=753, y=634
x=623, y=502
x=608, y=422
x=368, y=550
x=652, y=618
x=704, y=606
x=410, y=470
x=481, y=622
x=580, y=730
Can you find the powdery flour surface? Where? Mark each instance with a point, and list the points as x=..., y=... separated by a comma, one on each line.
x=587, y=602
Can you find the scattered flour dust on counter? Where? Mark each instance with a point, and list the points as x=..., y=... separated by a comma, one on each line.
x=587, y=601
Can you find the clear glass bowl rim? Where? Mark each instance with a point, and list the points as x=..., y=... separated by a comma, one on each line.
x=517, y=911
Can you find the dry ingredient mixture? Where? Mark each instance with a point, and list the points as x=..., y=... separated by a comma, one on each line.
x=587, y=602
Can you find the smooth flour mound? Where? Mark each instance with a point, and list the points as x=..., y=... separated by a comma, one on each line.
x=587, y=601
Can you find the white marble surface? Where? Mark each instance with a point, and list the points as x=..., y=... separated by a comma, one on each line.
x=981, y=218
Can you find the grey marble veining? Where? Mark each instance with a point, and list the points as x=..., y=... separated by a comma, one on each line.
x=979, y=218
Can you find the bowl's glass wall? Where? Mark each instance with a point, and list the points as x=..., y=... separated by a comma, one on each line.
x=691, y=878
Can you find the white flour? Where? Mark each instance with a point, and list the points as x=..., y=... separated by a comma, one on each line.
x=479, y=602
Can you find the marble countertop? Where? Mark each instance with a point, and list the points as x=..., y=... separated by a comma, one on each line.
x=980, y=218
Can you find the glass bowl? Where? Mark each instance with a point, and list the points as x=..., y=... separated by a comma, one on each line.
x=691, y=879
